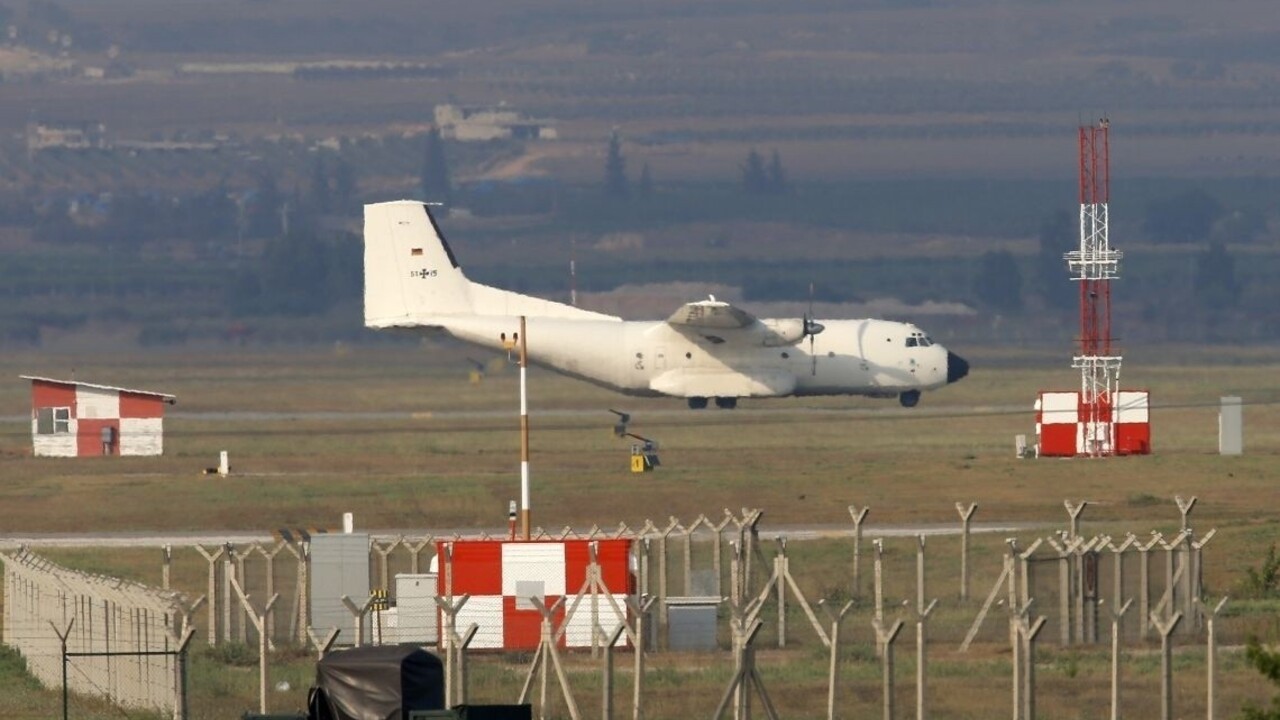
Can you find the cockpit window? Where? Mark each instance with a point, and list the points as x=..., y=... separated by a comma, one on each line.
x=919, y=339
x=911, y=341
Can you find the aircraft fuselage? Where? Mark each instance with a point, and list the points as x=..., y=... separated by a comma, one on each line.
x=852, y=357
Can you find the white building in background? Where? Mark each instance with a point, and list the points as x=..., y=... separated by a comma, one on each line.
x=82, y=136
x=473, y=124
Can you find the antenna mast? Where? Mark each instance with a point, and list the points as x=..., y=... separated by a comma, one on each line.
x=1094, y=265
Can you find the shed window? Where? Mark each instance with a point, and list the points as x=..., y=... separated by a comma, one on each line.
x=53, y=421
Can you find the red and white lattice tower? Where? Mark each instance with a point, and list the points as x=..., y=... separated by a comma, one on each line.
x=1094, y=265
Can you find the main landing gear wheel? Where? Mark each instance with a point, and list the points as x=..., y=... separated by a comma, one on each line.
x=726, y=403
x=909, y=398
x=697, y=403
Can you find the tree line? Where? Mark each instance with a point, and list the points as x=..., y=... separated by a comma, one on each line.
x=285, y=256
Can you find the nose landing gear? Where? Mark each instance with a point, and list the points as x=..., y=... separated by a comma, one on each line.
x=909, y=398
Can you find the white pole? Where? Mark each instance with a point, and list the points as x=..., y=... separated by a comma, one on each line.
x=525, y=509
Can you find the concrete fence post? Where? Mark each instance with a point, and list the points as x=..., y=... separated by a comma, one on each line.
x=1117, y=615
x=606, y=684
x=383, y=551
x=242, y=617
x=545, y=655
x=460, y=670
x=322, y=646
x=966, y=515
x=780, y=590
x=212, y=595
x=450, y=644
x=167, y=560
x=269, y=556
x=1029, y=631
x=878, y=544
x=858, y=516
x=415, y=553
x=640, y=608
x=922, y=617
x=1117, y=579
x=1144, y=582
x=1166, y=628
x=358, y=611
x=1197, y=563
x=1074, y=512
x=1211, y=657
x=717, y=565
x=834, y=658
x=885, y=638
x=663, y=614
x=1184, y=508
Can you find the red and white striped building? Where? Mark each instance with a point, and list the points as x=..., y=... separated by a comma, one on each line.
x=77, y=419
x=501, y=576
x=1063, y=428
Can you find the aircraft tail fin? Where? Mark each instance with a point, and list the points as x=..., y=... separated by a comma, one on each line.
x=409, y=269
x=411, y=277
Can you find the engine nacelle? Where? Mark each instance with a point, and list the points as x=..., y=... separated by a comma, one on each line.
x=783, y=332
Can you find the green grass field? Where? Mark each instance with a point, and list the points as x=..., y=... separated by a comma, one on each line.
x=399, y=436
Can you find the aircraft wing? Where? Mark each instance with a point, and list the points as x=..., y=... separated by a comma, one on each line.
x=710, y=315
x=718, y=322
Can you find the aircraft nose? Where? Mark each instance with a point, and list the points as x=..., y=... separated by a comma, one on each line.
x=957, y=367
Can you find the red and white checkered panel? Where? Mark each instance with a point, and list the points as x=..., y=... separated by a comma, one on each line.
x=501, y=576
x=1133, y=422
x=1058, y=428
x=1060, y=432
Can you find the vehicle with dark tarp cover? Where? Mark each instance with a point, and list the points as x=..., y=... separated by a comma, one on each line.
x=387, y=682
x=382, y=682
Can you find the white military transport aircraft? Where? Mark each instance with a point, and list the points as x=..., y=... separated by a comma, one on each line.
x=706, y=350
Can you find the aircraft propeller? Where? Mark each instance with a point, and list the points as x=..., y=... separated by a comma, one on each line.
x=811, y=328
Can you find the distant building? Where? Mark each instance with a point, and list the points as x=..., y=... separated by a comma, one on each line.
x=78, y=419
x=490, y=123
x=83, y=136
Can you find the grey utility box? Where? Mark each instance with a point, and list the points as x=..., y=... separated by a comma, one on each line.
x=691, y=622
x=417, y=616
x=339, y=566
x=1231, y=427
